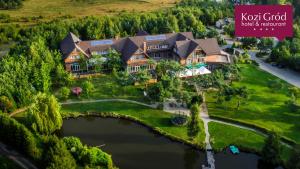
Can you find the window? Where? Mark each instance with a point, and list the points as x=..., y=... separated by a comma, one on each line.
x=75, y=57
x=75, y=67
x=137, y=57
x=132, y=68
x=101, y=52
x=156, y=55
x=136, y=68
x=164, y=46
x=189, y=61
x=157, y=47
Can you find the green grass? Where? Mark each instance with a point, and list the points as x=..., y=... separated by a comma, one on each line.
x=223, y=135
x=6, y=163
x=265, y=107
x=49, y=10
x=106, y=87
x=151, y=117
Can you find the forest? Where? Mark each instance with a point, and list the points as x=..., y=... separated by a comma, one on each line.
x=10, y=4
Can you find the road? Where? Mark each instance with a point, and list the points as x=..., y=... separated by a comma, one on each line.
x=16, y=157
x=287, y=75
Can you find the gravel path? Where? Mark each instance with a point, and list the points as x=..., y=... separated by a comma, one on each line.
x=110, y=100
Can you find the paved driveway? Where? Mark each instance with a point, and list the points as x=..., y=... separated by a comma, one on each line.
x=288, y=75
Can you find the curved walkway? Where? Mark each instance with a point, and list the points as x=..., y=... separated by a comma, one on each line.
x=16, y=157
x=206, y=119
x=203, y=114
x=110, y=100
x=18, y=111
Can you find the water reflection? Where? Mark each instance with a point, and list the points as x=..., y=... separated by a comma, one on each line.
x=135, y=147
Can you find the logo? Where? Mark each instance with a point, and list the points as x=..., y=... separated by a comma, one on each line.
x=264, y=21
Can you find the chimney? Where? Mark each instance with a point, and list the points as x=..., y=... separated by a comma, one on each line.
x=145, y=47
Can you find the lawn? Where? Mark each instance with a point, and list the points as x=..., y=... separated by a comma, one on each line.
x=265, y=107
x=78, y=8
x=106, y=87
x=223, y=135
x=153, y=117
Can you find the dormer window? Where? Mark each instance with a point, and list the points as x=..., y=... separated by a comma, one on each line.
x=157, y=47
x=137, y=57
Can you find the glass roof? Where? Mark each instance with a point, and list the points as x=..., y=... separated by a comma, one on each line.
x=101, y=42
x=156, y=37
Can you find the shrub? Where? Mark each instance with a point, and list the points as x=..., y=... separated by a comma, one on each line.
x=275, y=84
x=198, y=99
x=194, y=123
x=44, y=116
x=87, y=87
x=57, y=155
x=88, y=156
x=271, y=150
x=294, y=161
x=64, y=93
x=16, y=134
x=293, y=105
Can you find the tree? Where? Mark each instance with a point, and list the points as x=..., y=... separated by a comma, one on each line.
x=142, y=78
x=295, y=91
x=57, y=155
x=294, y=161
x=271, y=150
x=166, y=67
x=65, y=93
x=194, y=123
x=97, y=62
x=212, y=33
x=113, y=60
x=229, y=30
x=10, y=4
x=229, y=93
x=197, y=99
x=249, y=43
x=62, y=77
x=88, y=156
x=241, y=93
x=6, y=105
x=44, y=114
x=123, y=78
x=17, y=135
x=88, y=87
x=265, y=43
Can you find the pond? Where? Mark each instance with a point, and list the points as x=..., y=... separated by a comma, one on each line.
x=134, y=146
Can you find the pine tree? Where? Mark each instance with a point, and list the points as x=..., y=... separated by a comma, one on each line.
x=271, y=150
